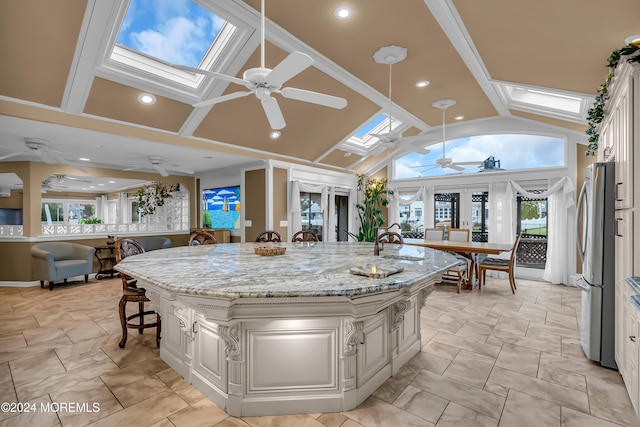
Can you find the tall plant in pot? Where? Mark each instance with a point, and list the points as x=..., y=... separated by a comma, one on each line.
x=375, y=194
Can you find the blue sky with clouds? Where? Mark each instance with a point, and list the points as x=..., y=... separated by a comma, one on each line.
x=513, y=151
x=176, y=31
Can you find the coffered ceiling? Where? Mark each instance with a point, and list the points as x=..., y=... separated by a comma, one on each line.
x=57, y=81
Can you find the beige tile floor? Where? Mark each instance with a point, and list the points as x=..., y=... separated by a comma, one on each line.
x=488, y=359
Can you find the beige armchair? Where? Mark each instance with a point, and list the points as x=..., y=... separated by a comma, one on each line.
x=54, y=261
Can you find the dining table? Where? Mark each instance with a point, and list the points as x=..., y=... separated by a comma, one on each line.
x=469, y=250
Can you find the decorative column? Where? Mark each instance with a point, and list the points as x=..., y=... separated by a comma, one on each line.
x=353, y=334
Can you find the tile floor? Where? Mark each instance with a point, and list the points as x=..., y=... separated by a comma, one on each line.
x=488, y=359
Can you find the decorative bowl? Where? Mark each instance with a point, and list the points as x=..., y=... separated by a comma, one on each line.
x=278, y=250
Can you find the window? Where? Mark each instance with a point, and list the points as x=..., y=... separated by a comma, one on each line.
x=532, y=224
x=447, y=210
x=221, y=208
x=509, y=151
x=480, y=216
x=310, y=215
x=411, y=220
x=67, y=211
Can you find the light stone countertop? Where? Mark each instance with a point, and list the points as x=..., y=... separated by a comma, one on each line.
x=233, y=270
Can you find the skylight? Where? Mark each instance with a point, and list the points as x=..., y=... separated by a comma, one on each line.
x=563, y=105
x=363, y=142
x=157, y=34
x=177, y=31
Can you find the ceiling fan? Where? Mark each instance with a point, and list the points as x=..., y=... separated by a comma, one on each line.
x=263, y=82
x=157, y=163
x=392, y=55
x=444, y=161
x=42, y=149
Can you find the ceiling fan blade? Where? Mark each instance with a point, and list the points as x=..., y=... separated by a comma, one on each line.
x=181, y=170
x=50, y=157
x=8, y=156
x=468, y=163
x=220, y=76
x=314, y=97
x=454, y=166
x=222, y=98
x=290, y=66
x=273, y=112
x=161, y=170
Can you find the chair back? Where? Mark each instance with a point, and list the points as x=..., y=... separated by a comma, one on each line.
x=390, y=237
x=202, y=238
x=127, y=247
x=269, y=236
x=514, y=250
x=459, y=234
x=434, y=234
x=305, y=236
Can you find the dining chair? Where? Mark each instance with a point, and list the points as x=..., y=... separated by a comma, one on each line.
x=202, y=238
x=390, y=237
x=305, y=236
x=269, y=236
x=434, y=234
x=500, y=264
x=132, y=293
x=460, y=273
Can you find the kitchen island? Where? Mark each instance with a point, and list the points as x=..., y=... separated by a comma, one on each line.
x=304, y=332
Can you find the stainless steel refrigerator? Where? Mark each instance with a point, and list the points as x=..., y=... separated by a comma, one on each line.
x=596, y=245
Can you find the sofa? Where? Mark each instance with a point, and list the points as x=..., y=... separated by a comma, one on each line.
x=152, y=243
x=55, y=261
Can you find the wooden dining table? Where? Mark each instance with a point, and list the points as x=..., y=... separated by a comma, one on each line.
x=466, y=249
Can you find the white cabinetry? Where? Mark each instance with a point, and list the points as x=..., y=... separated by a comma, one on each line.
x=619, y=133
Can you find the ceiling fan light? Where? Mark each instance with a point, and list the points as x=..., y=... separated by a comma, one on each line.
x=343, y=12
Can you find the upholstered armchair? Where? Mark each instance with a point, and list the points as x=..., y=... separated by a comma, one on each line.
x=151, y=243
x=54, y=261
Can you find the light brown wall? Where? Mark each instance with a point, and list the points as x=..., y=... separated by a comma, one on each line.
x=16, y=264
x=279, y=193
x=255, y=202
x=14, y=201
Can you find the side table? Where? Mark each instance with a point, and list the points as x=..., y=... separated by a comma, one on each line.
x=106, y=258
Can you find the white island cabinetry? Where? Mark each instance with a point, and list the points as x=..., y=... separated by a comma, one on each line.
x=302, y=335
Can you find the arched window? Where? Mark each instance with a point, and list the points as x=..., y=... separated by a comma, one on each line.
x=483, y=153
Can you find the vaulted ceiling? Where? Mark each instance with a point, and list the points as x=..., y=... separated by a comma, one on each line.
x=57, y=81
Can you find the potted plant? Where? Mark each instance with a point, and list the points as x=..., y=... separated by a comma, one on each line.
x=375, y=193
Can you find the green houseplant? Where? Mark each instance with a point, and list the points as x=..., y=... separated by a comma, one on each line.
x=154, y=195
x=375, y=197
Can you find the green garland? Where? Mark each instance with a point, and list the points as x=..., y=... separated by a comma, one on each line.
x=595, y=115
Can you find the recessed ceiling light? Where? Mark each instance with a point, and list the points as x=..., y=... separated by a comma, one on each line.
x=423, y=83
x=343, y=12
x=459, y=117
x=146, y=99
x=101, y=184
x=111, y=182
x=275, y=134
x=84, y=159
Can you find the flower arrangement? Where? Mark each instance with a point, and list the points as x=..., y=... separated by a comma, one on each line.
x=595, y=115
x=375, y=192
x=154, y=195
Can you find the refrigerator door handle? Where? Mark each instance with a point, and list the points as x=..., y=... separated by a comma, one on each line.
x=579, y=236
